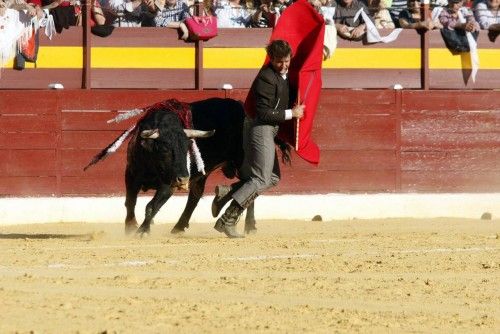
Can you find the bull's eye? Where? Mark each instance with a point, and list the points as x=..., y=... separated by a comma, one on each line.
x=146, y=144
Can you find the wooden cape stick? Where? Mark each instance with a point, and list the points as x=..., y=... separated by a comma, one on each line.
x=297, y=125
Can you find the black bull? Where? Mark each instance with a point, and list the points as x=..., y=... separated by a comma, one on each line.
x=158, y=150
x=157, y=159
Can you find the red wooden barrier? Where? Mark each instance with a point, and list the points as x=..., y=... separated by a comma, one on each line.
x=370, y=140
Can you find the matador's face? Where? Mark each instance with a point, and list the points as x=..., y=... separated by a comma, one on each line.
x=281, y=65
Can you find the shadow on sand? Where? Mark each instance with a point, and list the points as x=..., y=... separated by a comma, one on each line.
x=87, y=236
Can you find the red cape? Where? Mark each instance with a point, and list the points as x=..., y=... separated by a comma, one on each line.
x=304, y=28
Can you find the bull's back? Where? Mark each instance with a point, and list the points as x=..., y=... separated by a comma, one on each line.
x=217, y=112
x=226, y=117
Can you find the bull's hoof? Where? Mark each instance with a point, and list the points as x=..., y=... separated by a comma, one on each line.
x=250, y=226
x=177, y=230
x=143, y=231
x=130, y=228
x=250, y=229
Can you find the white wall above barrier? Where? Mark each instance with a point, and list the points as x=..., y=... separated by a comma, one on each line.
x=302, y=207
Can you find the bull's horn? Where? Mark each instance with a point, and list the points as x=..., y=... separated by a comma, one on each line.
x=150, y=134
x=198, y=133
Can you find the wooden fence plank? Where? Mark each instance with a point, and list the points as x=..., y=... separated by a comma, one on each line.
x=352, y=78
x=313, y=182
x=41, y=78
x=350, y=120
x=143, y=78
x=450, y=100
x=27, y=186
x=74, y=186
x=28, y=163
x=452, y=121
x=107, y=99
x=84, y=121
x=33, y=140
x=88, y=139
x=439, y=141
x=73, y=161
x=28, y=123
x=28, y=102
x=356, y=160
x=350, y=140
x=450, y=181
x=470, y=160
x=460, y=79
x=355, y=97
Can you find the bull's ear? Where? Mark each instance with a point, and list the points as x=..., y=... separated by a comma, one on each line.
x=150, y=134
x=198, y=133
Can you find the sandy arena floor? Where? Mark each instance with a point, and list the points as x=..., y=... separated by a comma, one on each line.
x=399, y=275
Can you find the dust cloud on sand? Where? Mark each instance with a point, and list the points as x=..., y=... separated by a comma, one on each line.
x=348, y=276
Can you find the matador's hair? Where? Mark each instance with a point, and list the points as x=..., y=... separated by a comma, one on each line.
x=278, y=49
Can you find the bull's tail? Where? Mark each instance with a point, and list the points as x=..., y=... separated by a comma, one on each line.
x=285, y=149
x=111, y=148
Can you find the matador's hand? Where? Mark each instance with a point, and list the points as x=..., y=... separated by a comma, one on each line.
x=298, y=111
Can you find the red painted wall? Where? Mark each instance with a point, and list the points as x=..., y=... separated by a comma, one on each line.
x=371, y=141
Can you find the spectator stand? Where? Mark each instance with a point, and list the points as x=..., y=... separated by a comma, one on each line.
x=155, y=58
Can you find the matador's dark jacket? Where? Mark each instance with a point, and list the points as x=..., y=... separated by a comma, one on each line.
x=271, y=97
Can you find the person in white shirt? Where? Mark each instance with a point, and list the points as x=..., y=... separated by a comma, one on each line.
x=488, y=15
x=231, y=14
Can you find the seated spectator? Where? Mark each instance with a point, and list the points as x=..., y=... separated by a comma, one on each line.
x=124, y=13
x=281, y=5
x=97, y=16
x=66, y=13
x=97, y=21
x=35, y=8
x=396, y=7
x=207, y=4
x=326, y=9
x=476, y=2
x=10, y=30
x=449, y=17
x=380, y=14
x=167, y=13
x=469, y=4
x=488, y=15
x=411, y=18
x=265, y=15
x=29, y=6
x=12, y=27
x=344, y=20
x=231, y=14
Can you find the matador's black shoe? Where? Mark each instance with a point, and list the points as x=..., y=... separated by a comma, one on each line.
x=227, y=222
x=222, y=196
